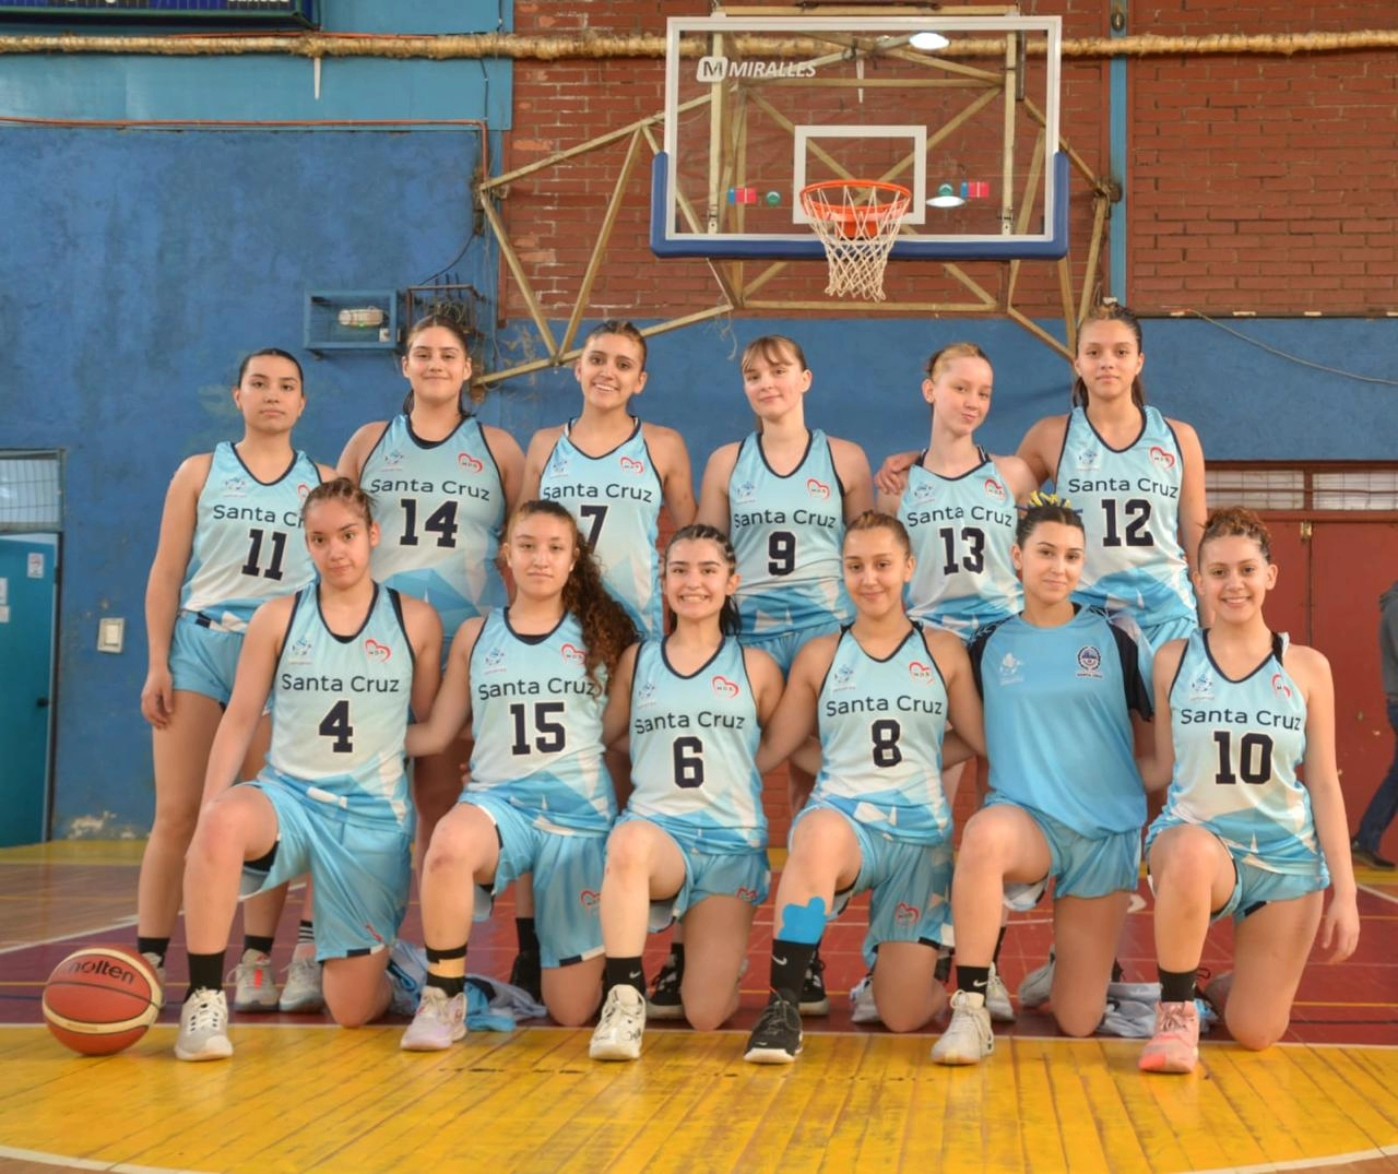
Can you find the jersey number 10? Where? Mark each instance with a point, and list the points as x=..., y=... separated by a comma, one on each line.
x=1254, y=758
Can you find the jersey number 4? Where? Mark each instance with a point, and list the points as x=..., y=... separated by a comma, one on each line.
x=1254, y=758
x=336, y=725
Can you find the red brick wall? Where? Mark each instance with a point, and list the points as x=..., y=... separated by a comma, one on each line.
x=1261, y=183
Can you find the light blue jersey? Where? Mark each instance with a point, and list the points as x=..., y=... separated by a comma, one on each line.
x=537, y=721
x=788, y=533
x=340, y=709
x=616, y=499
x=441, y=510
x=1130, y=504
x=1237, y=747
x=881, y=726
x=248, y=545
x=693, y=750
x=962, y=529
x=1058, y=705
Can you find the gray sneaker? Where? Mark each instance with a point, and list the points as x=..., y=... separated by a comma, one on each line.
x=997, y=998
x=1037, y=987
x=204, y=1027
x=301, y=992
x=440, y=1021
x=255, y=986
x=407, y=971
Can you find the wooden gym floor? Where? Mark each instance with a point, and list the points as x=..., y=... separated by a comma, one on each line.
x=303, y=1095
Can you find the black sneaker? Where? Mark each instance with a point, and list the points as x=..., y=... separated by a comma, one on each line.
x=1361, y=855
x=526, y=974
x=663, y=1002
x=814, y=1000
x=777, y=1037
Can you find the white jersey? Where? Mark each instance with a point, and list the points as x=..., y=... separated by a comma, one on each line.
x=694, y=744
x=248, y=545
x=340, y=708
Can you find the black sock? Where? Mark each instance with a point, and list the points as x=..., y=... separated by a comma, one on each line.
x=260, y=944
x=454, y=984
x=972, y=978
x=206, y=972
x=305, y=932
x=790, y=960
x=677, y=954
x=528, y=937
x=1000, y=941
x=1176, y=986
x=157, y=946
x=624, y=972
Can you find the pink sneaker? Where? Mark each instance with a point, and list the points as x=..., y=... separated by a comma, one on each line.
x=1175, y=1047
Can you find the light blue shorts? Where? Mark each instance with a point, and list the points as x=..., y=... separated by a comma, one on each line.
x=784, y=646
x=204, y=659
x=567, y=870
x=362, y=869
x=910, y=883
x=1081, y=866
x=743, y=874
x=1253, y=887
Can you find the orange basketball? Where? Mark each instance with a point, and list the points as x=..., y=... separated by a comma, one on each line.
x=101, y=999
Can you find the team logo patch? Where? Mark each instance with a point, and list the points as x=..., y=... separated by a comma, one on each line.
x=235, y=487
x=1089, y=459
x=1089, y=661
x=907, y=914
x=744, y=494
x=817, y=489
x=924, y=491
x=300, y=652
x=1010, y=669
x=631, y=465
x=1202, y=687
x=746, y=894
x=921, y=673
x=590, y=900
x=573, y=654
x=560, y=464
x=1161, y=458
x=994, y=490
x=469, y=463
x=1280, y=687
x=393, y=460
x=724, y=687
x=495, y=660
x=375, y=651
x=645, y=695
x=302, y=491
x=842, y=677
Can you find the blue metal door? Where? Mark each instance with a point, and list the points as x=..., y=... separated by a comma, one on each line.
x=27, y=599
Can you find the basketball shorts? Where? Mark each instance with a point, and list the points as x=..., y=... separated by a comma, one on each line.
x=204, y=659
x=567, y=870
x=1079, y=865
x=784, y=646
x=362, y=869
x=910, y=885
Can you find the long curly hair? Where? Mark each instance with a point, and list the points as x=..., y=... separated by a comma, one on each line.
x=607, y=629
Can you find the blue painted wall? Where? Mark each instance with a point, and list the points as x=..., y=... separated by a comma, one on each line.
x=138, y=266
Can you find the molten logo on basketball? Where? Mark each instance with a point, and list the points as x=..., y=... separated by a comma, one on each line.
x=102, y=966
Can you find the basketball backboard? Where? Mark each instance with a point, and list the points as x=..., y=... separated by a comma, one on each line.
x=756, y=108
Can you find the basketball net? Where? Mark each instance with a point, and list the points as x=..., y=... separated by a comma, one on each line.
x=857, y=221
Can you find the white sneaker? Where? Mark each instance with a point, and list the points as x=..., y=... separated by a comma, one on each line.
x=968, y=1038
x=997, y=998
x=153, y=961
x=255, y=985
x=623, y=1022
x=1037, y=987
x=407, y=971
x=204, y=1027
x=440, y=1021
x=301, y=992
x=861, y=1001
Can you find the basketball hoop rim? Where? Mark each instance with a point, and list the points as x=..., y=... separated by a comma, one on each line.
x=823, y=211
